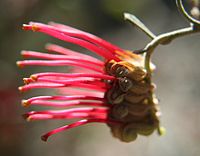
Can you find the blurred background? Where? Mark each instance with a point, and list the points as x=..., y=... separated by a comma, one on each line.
x=177, y=77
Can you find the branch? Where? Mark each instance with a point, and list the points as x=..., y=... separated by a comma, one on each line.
x=135, y=21
x=181, y=8
x=168, y=37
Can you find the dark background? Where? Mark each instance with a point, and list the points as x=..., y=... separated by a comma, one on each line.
x=177, y=77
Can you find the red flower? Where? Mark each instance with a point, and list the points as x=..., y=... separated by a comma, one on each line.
x=112, y=91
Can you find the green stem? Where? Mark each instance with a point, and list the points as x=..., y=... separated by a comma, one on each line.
x=135, y=21
x=165, y=39
x=184, y=12
x=168, y=37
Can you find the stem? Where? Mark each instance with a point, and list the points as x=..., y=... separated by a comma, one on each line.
x=135, y=21
x=162, y=39
x=181, y=8
x=165, y=39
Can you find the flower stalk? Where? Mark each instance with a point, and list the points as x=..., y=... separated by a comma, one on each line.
x=164, y=38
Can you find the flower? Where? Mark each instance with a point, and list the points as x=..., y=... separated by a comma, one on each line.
x=113, y=90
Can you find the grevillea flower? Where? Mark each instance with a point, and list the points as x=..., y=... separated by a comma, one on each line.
x=112, y=90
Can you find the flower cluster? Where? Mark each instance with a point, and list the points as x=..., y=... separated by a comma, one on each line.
x=113, y=90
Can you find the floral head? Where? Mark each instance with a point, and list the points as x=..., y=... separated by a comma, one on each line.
x=113, y=90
